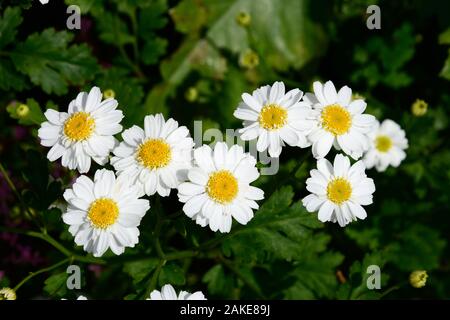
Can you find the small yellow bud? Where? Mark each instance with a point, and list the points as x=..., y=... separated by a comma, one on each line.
x=419, y=108
x=356, y=96
x=7, y=294
x=249, y=59
x=243, y=19
x=418, y=278
x=22, y=110
x=191, y=94
x=109, y=93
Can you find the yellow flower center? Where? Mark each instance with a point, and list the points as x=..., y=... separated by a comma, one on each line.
x=222, y=186
x=339, y=190
x=79, y=126
x=336, y=119
x=383, y=143
x=154, y=153
x=272, y=117
x=103, y=213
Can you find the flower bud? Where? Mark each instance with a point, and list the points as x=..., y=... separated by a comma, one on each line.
x=419, y=108
x=418, y=278
x=243, y=19
x=7, y=294
x=22, y=110
x=109, y=93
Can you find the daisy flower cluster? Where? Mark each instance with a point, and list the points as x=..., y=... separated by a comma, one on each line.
x=104, y=211
x=324, y=119
x=214, y=183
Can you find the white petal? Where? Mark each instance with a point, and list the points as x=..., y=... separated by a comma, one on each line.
x=251, y=102
x=325, y=211
x=330, y=92
x=93, y=100
x=344, y=96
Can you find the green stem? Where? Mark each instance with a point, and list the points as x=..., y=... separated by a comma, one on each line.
x=393, y=288
x=46, y=237
x=134, y=26
x=154, y=279
x=181, y=255
x=125, y=56
x=33, y=274
x=157, y=232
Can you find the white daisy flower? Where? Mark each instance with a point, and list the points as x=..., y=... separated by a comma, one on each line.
x=168, y=293
x=339, y=191
x=81, y=297
x=156, y=158
x=83, y=133
x=338, y=121
x=219, y=187
x=388, y=142
x=275, y=117
x=104, y=213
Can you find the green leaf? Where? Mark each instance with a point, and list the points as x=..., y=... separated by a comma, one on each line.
x=418, y=247
x=153, y=50
x=445, y=72
x=34, y=115
x=315, y=277
x=92, y=6
x=189, y=16
x=219, y=282
x=50, y=62
x=192, y=55
x=444, y=37
x=55, y=285
x=171, y=274
x=139, y=270
x=152, y=16
x=356, y=286
x=129, y=93
x=281, y=31
x=11, y=19
x=113, y=30
x=278, y=229
x=10, y=78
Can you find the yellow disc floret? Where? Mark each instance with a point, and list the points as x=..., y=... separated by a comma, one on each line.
x=339, y=190
x=79, y=126
x=222, y=186
x=154, y=153
x=383, y=143
x=336, y=119
x=272, y=117
x=103, y=213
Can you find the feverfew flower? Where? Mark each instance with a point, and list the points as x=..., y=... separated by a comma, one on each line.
x=156, y=158
x=275, y=117
x=219, y=187
x=83, y=133
x=388, y=143
x=104, y=213
x=338, y=121
x=339, y=191
x=168, y=293
x=81, y=297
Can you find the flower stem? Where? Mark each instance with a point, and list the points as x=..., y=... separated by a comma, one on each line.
x=46, y=237
x=33, y=274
